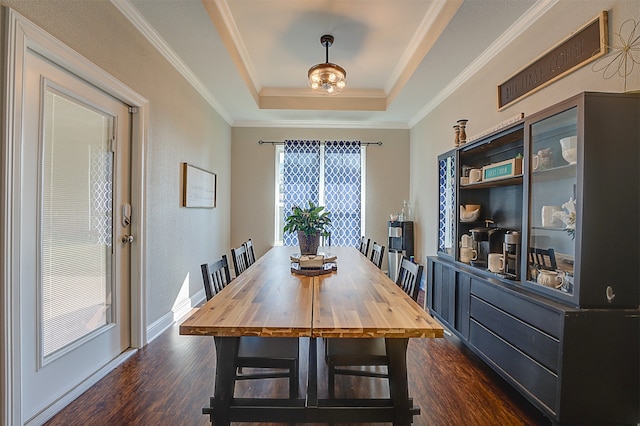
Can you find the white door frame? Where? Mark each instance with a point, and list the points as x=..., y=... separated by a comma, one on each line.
x=22, y=35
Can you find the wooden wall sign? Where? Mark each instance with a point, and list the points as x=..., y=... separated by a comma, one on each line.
x=198, y=187
x=583, y=46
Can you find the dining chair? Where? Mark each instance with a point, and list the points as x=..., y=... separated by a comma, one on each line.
x=377, y=254
x=251, y=255
x=215, y=276
x=364, y=245
x=239, y=257
x=273, y=353
x=340, y=354
x=543, y=258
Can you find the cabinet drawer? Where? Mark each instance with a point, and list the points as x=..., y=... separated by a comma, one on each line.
x=538, y=316
x=531, y=377
x=538, y=345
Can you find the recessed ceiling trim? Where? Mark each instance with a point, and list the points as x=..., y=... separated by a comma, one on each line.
x=307, y=124
x=143, y=27
x=536, y=11
x=324, y=103
x=300, y=92
x=220, y=15
x=436, y=18
x=434, y=22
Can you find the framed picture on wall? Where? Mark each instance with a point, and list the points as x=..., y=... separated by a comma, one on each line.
x=198, y=187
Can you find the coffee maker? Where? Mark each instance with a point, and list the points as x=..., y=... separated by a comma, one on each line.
x=487, y=240
x=400, y=245
x=511, y=253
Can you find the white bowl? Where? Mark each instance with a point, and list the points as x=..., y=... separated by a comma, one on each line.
x=569, y=148
x=569, y=142
x=469, y=215
x=570, y=155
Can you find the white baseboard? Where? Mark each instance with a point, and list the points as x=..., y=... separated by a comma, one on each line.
x=179, y=311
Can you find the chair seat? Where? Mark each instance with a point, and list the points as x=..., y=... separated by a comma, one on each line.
x=338, y=349
x=273, y=348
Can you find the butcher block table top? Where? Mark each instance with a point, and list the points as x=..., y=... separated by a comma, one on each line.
x=358, y=300
x=265, y=300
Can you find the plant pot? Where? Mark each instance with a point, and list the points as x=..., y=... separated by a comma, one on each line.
x=308, y=243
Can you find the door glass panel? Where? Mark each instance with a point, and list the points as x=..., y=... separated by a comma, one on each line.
x=77, y=179
x=552, y=214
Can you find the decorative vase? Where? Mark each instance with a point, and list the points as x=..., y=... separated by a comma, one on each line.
x=308, y=243
x=456, y=129
x=463, y=132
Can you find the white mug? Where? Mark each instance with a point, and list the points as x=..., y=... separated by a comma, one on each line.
x=495, y=262
x=475, y=175
x=550, y=279
x=467, y=254
x=549, y=218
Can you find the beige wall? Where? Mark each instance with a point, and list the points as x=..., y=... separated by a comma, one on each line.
x=253, y=179
x=476, y=100
x=182, y=128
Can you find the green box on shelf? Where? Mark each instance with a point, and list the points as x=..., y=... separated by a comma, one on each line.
x=502, y=170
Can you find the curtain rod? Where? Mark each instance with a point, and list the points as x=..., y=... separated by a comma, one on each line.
x=261, y=142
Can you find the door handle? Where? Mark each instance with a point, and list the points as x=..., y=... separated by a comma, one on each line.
x=127, y=239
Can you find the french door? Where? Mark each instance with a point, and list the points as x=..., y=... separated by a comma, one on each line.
x=75, y=244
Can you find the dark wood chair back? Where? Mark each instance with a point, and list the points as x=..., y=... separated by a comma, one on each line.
x=543, y=258
x=215, y=276
x=377, y=254
x=364, y=245
x=409, y=277
x=251, y=255
x=239, y=257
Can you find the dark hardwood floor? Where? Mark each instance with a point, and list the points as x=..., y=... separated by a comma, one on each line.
x=168, y=382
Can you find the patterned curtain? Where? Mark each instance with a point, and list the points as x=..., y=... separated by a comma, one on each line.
x=301, y=178
x=342, y=191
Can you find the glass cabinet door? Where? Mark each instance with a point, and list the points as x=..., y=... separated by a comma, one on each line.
x=447, y=202
x=552, y=205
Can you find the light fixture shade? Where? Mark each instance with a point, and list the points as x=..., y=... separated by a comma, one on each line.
x=327, y=78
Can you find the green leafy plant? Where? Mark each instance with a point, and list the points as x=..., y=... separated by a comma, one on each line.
x=309, y=220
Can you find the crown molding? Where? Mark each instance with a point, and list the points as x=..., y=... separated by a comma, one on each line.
x=131, y=13
x=306, y=124
x=525, y=21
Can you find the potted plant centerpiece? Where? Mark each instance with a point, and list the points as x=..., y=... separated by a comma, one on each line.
x=310, y=223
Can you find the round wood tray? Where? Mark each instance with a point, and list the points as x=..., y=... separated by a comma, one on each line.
x=327, y=268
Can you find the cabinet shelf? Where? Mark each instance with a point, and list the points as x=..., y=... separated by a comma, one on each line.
x=549, y=228
x=472, y=222
x=554, y=173
x=511, y=180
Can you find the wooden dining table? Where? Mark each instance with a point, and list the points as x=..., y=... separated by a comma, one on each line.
x=358, y=300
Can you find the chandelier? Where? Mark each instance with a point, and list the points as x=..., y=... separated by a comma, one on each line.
x=327, y=78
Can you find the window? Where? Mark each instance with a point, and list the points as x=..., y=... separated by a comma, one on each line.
x=328, y=173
